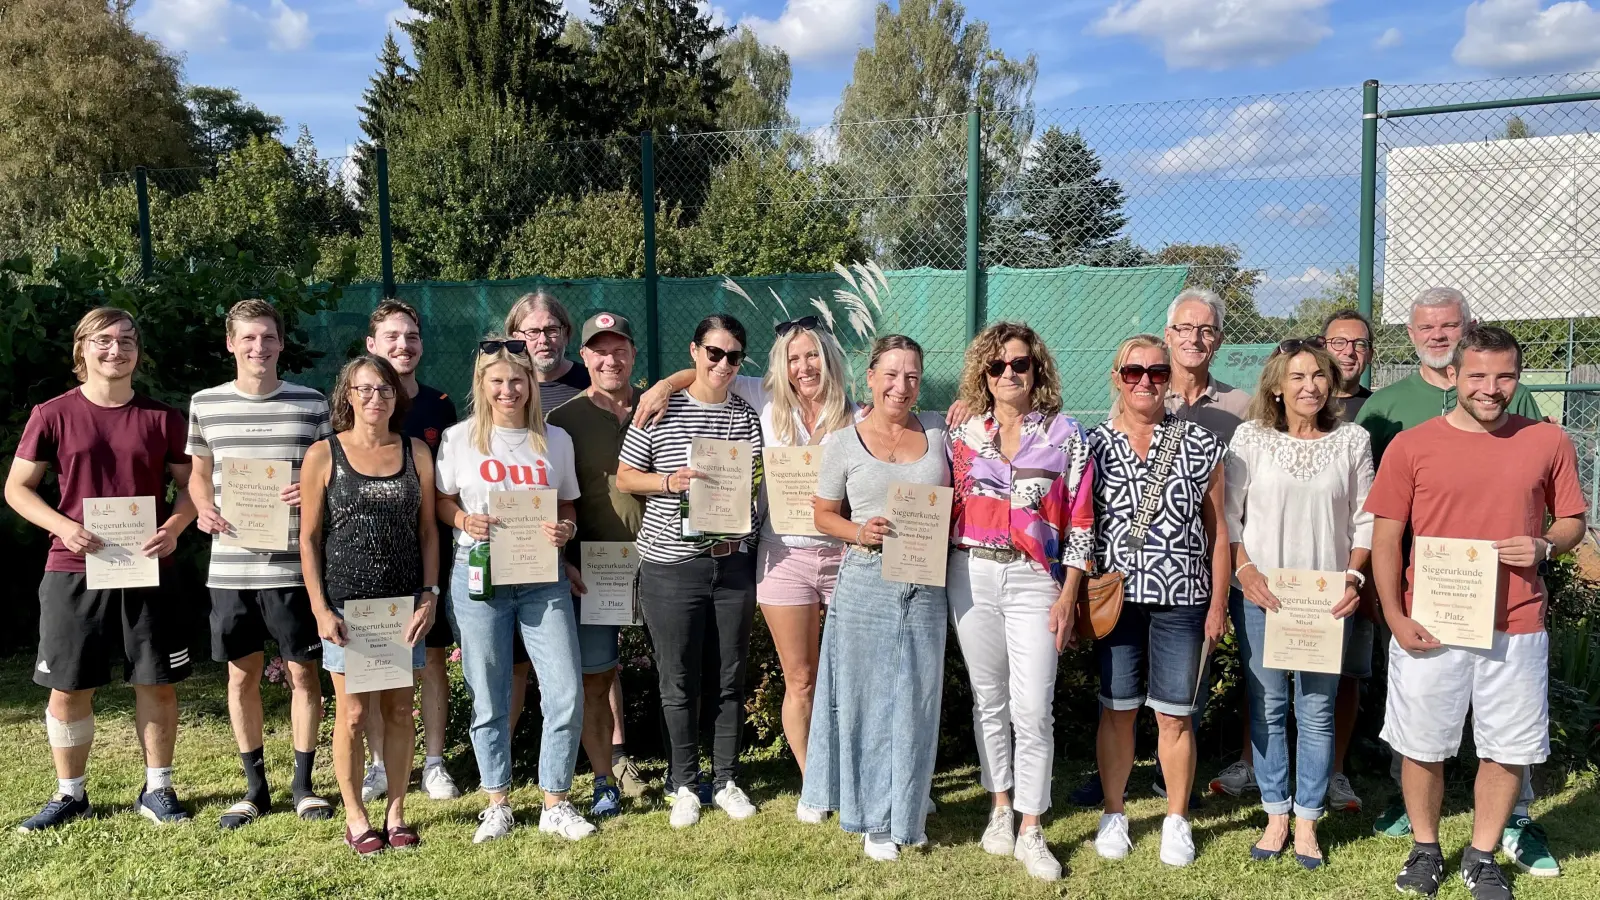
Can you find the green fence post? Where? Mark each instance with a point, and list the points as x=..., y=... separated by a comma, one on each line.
x=974, y=207
x=141, y=189
x=1369, y=205
x=652, y=315
x=380, y=158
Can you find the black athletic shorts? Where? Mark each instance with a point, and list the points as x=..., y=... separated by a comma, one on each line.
x=83, y=632
x=242, y=621
x=441, y=635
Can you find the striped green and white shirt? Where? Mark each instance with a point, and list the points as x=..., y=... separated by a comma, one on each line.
x=226, y=423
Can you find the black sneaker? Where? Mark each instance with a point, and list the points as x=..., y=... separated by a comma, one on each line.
x=1421, y=875
x=1159, y=787
x=1483, y=876
x=1091, y=794
x=161, y=806
x=61, y=809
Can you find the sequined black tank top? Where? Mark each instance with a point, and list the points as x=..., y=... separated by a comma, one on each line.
x=370, y=546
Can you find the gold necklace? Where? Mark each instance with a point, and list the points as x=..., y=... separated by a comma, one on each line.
x=896, y=445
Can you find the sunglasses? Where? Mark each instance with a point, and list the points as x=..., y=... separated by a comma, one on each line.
x=1159, y=374
x=715, y=355
x=489, y=347
x=1295, y=345
x=1022, y=365
x=804, y=323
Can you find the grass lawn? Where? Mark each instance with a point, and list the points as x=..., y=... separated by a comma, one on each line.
x=121, y=855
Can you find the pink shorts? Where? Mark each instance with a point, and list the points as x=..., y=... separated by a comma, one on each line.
x=796, y=576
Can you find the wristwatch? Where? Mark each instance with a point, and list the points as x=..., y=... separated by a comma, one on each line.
x=431, y=589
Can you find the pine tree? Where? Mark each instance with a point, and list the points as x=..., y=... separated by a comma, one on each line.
x=381, y=104
x=1063, y=210
x=656, y=66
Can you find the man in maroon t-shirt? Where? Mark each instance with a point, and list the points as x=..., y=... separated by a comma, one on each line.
x=104, y=440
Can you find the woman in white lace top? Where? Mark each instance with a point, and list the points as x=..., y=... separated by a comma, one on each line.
x=1297, y=478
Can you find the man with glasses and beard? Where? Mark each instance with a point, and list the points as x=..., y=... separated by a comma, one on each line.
x=1348, y=336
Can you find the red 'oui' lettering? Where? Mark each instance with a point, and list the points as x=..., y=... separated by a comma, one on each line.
x=493, y=470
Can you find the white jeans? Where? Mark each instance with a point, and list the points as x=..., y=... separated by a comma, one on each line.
x=1002, y=619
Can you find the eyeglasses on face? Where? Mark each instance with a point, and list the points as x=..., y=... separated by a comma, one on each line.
x=101, y=342
x=367, y=390
x=1205, y=332
x=1159, y=374
x=1295, y=345
x=1360, y=345
x=491, y=347
x=1022, y=365
x=715, y=355
x=804, y=323
x=551, y=334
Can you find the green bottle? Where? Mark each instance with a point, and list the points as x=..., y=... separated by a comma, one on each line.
x=479, y=584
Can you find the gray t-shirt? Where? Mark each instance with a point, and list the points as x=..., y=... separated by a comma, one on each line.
x=850, y=472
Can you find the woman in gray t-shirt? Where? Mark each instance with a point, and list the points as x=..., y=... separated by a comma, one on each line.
x=875, y=721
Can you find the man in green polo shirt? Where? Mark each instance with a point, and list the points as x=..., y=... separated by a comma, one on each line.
x=1438, y=317
x=597, y=419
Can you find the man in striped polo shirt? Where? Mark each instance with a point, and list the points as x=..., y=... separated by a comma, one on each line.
x=260, y=595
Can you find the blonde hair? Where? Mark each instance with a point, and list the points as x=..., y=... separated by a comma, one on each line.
x=482, y=418
x=95, y=320
x=1266, y=408
x=1124, y=350
x=990, y=344
x=786, y=400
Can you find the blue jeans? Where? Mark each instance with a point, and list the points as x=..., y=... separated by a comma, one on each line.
x=543, y=614
x=1314, y=694
x=875, y=723
x=333, y=654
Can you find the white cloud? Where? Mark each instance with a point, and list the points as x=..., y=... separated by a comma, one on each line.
x=1389, y=39
x=814, y=31
x=1279, y=296
x=1311, y=215
x=1518, y=36
x=290, y=29
x=210, y=24
x=1251, y=137
x=1219, y=34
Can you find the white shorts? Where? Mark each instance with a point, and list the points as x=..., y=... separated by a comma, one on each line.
x=1507, y=689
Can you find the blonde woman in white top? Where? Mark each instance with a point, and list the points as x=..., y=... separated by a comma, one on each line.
x=1297, y=478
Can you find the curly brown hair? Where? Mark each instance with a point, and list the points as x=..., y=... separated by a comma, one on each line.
x=990, y=344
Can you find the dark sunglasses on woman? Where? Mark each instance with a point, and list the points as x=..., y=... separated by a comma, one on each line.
x=804, y=323
x=490, y=347
x=1295, y=345
x=1022, y=365
x=715, y=355
x=1159, y=373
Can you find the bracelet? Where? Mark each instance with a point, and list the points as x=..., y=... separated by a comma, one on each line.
x=861, y=530
x=1361, y=580
x=666, y=483
x=570, y=524
x=1248, y=564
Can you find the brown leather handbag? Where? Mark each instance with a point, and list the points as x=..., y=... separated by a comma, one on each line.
x=1099, y=605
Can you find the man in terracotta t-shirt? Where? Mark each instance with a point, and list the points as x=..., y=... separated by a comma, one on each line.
x=1477, y=473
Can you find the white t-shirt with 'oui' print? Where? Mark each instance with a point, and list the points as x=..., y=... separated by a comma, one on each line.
x=513, y=465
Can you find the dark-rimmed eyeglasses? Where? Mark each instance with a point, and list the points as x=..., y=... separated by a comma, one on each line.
x=1295, y=345
x=1158, y=374
x=715, y=355
x=804, y=323
x=366, y=391
x=491, y=347
x=1022, y=365
x=1360, y=345
x=550, y=335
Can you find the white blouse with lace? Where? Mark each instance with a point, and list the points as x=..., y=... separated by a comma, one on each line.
x=1296, y=502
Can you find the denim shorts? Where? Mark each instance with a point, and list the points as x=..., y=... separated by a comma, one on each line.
x=1152, y=658
x=1358, y=641
x=333, y=654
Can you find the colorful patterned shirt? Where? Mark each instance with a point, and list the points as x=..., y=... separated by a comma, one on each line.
x=1041, y=502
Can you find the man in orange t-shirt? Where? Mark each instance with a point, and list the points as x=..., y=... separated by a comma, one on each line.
x=1477, y=472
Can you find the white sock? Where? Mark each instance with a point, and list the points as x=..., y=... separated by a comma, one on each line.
x=72, y=787
x=429, y=762
x=155, y=779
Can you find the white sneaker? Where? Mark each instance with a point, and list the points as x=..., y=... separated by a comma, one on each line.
x=1235, y=780
x=1341, y=795
x=1177, y=842
x=1000, y=837
x=733, y=801
x=685, y=808
x=1112, y=841
x=809, y=815
x=497, y=823
x=438, y=783
x=375, y=784
x=881, y=847
x=563, y=819
x=1035, y=855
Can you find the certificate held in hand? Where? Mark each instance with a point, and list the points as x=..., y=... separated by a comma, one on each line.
x=608, y=571
x=720, y=502
x=377, y=657
x=791, y=479
x=916, y=550
x=1303, y=635
x=1453, y=588
x=519, y=551
x=251, y=504
x=122, y=524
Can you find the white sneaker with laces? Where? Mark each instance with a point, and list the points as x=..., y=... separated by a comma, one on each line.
x=438, y=784
x=1000, y=837
x=809, y=815
x=374, y=784
x=685, y=808
x=563, y=819
x=733, y=801
x=497, y=822
x=1341, y=795
x=1112, y=841
x=1035, y=855
x=881, y=847
x=1235, y=780
x=1177, y=841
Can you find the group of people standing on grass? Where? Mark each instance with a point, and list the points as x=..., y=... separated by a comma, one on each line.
x=1190, y=491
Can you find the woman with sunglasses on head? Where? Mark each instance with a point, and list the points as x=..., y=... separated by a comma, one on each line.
x=368, y=532
x=696, y=590
x=802, y=400
x=1160, y=525
x=875, y=726
x=505, y=446
x=1023, y=531
x=1298, y=478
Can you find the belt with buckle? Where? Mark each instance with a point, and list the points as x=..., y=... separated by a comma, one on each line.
x=726, y=548
x=1001, y=555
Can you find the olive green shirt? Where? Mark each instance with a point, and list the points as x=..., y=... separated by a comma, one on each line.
x=1412, y=400
x=604, y=513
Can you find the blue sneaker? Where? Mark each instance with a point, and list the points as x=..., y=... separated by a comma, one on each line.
x=1090, y=794
x=703, y=788
x=607, y=799
x=61, y=809
x=161, y=806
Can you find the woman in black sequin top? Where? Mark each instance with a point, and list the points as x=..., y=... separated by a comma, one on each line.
x=368, y=532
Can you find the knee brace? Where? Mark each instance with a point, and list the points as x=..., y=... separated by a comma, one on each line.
x=69, y=734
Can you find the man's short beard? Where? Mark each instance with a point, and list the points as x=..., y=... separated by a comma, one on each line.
x=545, y=367
x=1436, y=362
